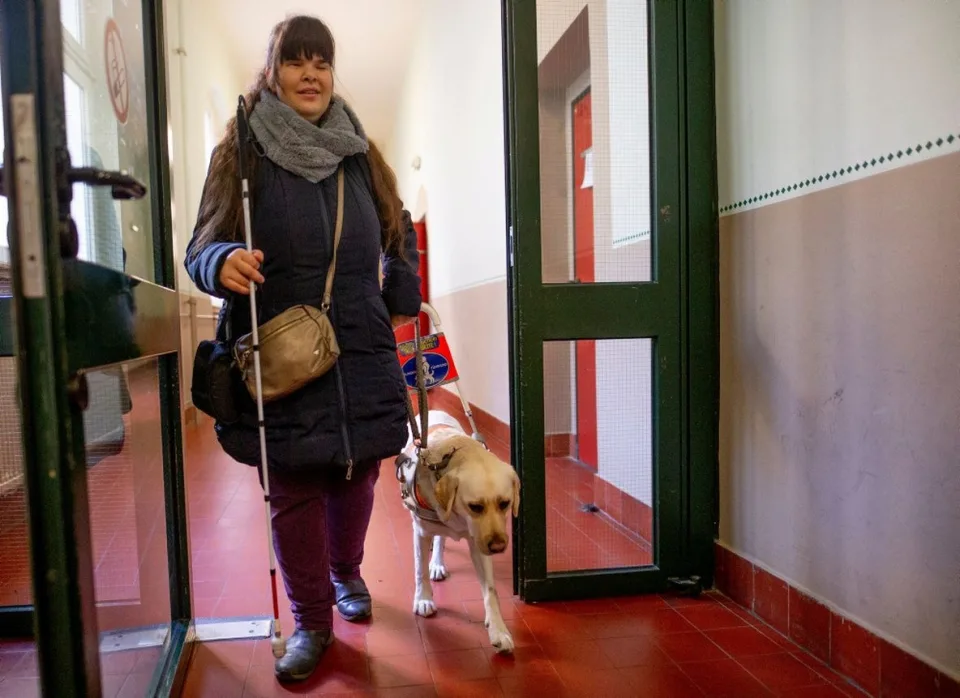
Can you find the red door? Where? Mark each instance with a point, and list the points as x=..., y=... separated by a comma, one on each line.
x=586, y=353
x=405, y=334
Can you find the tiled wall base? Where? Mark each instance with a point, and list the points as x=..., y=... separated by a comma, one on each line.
x=875, y=665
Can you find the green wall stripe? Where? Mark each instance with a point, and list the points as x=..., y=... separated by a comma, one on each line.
x=908, y=152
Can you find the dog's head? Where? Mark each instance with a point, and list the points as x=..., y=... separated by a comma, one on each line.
x=479, y=487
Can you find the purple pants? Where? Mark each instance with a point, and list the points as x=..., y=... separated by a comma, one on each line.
x=319, y=526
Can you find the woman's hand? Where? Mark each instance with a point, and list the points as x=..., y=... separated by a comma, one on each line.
x=400, y=320
x=239, y=269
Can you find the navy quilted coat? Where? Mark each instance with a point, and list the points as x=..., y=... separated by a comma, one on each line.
x=323, y=424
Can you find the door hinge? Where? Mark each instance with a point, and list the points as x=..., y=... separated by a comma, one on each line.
x=510, y=244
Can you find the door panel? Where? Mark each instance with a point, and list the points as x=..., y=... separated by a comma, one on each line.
x=599, y=306
x=97, y=322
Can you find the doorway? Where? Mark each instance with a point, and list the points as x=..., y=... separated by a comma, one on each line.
x=637, y=327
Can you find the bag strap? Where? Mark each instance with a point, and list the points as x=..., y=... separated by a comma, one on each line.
x=338, y=229
x=228, y=323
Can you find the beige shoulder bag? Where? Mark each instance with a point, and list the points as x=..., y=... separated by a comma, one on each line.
x=298, y=345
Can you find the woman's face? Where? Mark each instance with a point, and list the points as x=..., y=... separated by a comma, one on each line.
x=306, y=86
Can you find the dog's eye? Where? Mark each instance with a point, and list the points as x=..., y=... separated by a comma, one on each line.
x=476, y=508
x=503, y=504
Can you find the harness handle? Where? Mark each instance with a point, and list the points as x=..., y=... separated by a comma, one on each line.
x=419, y=436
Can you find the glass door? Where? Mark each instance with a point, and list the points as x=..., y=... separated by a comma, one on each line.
x=612, y=278
x=96, y=325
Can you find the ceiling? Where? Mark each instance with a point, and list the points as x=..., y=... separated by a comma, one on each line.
x=374, y=45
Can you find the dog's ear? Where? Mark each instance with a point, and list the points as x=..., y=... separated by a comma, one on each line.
x=446, y=493
x=445, y=461
x=516, y=494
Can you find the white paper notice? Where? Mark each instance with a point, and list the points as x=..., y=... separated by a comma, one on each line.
x=587, y=156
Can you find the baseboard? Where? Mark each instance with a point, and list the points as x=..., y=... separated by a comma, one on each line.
x=631, y=513
x=874, y=664
x=559, y=445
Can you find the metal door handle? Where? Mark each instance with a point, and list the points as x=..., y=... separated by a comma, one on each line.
x=122, y=186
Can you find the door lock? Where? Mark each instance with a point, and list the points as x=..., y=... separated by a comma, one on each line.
x=78, y=391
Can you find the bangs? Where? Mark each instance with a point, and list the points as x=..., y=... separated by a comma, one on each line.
x=306, y=38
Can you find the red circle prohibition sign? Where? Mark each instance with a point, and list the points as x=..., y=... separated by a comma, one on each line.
x=116, y=71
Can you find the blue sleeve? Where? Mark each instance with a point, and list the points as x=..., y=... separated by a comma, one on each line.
x=204, y=264
x=401, y=282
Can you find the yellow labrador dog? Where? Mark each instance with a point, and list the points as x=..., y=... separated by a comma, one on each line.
x=460, y=491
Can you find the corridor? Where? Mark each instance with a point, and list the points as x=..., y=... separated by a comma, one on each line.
x=638, y=646
x=642, y=646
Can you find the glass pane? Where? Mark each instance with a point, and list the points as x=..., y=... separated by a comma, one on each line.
x=4, y=214
x=595, y=172
x=15, y=583
x=127, y=517
x=71, y=18
x=598, y=441
x=105, y=103
x=18, y=658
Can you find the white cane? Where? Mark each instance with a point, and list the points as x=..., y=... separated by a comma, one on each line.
x=277, y=642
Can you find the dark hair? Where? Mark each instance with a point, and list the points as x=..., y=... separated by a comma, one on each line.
x=221, y=212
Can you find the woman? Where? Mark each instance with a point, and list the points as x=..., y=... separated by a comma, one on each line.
x=325, y=441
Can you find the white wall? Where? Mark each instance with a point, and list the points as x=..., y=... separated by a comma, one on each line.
x=805, y=87
x=451, y=116
x=839, y=345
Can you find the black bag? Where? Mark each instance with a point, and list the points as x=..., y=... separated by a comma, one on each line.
x=216, y=382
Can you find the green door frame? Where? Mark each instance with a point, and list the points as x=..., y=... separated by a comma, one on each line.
x=55, y=303
x=678, y=309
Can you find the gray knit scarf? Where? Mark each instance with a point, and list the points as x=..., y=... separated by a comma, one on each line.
x=298, y=146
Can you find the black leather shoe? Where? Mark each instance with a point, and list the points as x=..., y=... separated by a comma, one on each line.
x=304, y=649
x=353, y=600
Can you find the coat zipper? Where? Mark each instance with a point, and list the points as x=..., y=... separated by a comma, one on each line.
x=342, y=394
x=343, y=421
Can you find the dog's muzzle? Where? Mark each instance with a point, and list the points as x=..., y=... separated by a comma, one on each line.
x=497, y=544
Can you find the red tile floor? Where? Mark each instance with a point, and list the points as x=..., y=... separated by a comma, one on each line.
x=641, y=646
x=577, y=539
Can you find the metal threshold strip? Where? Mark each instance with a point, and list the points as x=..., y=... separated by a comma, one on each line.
x=205, y=630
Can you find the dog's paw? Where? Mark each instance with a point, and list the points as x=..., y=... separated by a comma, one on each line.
x=424, y=607
x=501, y=639
x=438, y=572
